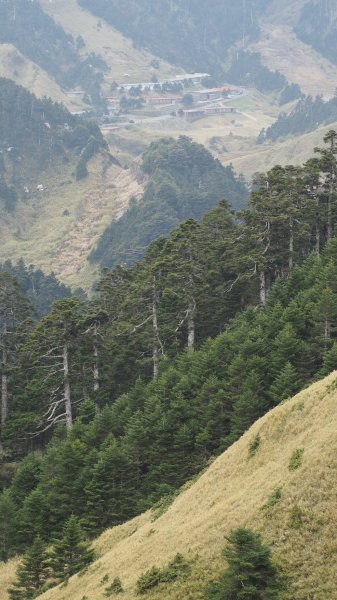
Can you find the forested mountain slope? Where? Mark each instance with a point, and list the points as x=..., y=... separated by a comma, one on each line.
x=207, y=37
x=118, y=52
x=36, y=136
x=307, y=115
x=317, y=26
x=52, y=211
x=294, y=510
x=185, y=181
x=14, y=65
x=176, y=356
x=191, y=33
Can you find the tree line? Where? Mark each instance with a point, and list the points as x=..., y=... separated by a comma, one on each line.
x=308, y=114
x=133, y=393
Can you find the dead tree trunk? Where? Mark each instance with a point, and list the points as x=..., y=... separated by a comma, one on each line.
x=291, y=244
x=67, y=395
x=263, y=288
x=4, y=381
x=329, y=216
x=317, y=233
x=191, y=324
x=96, y=367
x=157, y=346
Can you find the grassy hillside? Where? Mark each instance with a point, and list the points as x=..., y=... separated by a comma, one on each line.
x=51, y=211
x=300, y=527
x=23, y=71
x=118, y=52
x=58, y=228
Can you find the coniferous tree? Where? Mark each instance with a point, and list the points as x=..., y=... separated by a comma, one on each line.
x=328, y=165
x=286, y=384
x=32, y=573
x=70, y=553
x=7, y=525
x=14, y=308
x=250, y=574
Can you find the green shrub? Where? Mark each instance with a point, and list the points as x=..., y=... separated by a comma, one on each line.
x=115, y=588
x=296, y=459
x=162, y=506
x=178, y=568
x=296, y=517
x=273, y=499
x=254, y=445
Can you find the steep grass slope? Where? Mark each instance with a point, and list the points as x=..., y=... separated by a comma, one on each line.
x=58, y=227
x=23, y=71
x=281, y=50
x=117, y=51
x=300, y=527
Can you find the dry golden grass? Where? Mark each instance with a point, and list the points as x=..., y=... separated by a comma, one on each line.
x=7, y=576
x=282, y=51
x=24, y=72
x=231, y=494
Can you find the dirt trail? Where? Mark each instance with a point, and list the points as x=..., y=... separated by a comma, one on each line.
x=97, y=210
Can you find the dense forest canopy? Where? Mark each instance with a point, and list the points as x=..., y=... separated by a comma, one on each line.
x=24, y=24
x=174, y=357
x=184, y=181
x=37, y=134
x=39, y=289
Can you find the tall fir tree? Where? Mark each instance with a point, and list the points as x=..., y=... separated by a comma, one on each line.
x=32, y=573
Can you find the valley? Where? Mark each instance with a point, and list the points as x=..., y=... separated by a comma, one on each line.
x=230, y=137
x=168, y=299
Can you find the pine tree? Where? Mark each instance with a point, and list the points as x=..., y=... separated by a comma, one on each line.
x=286, y=384
x=52, y=350
x=70, y=553
x=32, y=573
x=14, y=308
x=111, y=492
x=251, y=574
x=7, y=525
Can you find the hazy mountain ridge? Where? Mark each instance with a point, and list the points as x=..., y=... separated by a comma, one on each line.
x=317, y=26
x=36, y=35
x=208, y=37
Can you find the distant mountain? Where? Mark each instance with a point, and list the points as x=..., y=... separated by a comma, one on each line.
x=317, y=26
x=196, y=36
x=220, y=37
